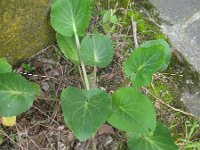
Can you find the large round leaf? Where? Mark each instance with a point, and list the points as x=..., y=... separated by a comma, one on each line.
x=68, y=47
x=160, y=140
x=143, y=63
x=97, y=50
x=70, y=16
x=5, y=66
x=132, y=111
x=167, y=50
x=16, y=94
x=85, y=111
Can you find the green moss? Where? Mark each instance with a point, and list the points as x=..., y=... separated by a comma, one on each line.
x=179, y=77
x=25, y=28
x=185, y=77
x=164, y=91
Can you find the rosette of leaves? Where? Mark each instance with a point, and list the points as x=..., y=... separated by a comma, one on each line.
x=84, y=110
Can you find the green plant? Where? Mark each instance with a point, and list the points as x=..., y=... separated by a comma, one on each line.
x=27, y=67
x=192, y=128
x=109, y=21
x=128, y=110
x=16, y=93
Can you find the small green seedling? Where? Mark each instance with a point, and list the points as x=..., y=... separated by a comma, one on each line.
x=110, y=21
x=27, y=67
x=85, y=110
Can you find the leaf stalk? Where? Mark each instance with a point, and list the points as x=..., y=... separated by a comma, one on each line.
x=82, y=64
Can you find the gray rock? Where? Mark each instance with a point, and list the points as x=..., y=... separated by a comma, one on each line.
x=183, y=30
x=176, y=11
x=193, y=32
x=192, y=101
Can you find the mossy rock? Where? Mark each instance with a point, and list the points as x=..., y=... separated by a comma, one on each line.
x=24, y=28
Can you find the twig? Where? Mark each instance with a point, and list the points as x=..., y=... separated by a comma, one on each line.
x=45, y=114
x=151, y=19
x=174, y=109
x=134, y=26
x=47, y=98
x=26, y=136
x=12, y=140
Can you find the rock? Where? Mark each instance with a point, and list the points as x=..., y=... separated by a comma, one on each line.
x=192, y=105
x=183, y=27
x=183, y=30
x=176, y=11
x=24, y=28
x=186, y=83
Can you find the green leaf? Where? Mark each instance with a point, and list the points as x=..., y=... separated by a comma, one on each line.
x=106, y=16
x=97, y=50
x=85, y=111
x=70, y=16
x=166, y=47
x=5, y=66
x=132, y=111
x=68, y=47
x=143, y=63
x=160, y=140
x=16, y=94
x=114, y=19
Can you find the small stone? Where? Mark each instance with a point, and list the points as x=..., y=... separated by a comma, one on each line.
x=45, y=86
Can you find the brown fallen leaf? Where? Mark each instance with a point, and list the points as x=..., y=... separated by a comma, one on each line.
x=106, y=129
x=108, y=76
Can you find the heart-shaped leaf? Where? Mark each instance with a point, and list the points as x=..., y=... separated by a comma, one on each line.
x=85, y=111
x=143, y=63
x=68, y=47
x=97, y=50
x=70, y=16
x=132, y=111
x=160, y=140
x=167, y=50
x=16, y=94
x=5, y=66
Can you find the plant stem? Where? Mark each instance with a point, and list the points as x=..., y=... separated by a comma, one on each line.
x=81, y=74
x=95, y=75
x=126, y=12
x=82, y=64
x=85, y=76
